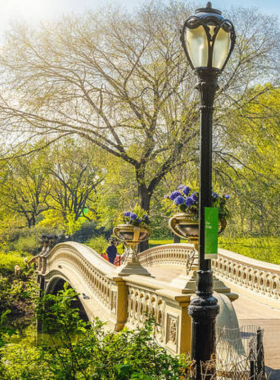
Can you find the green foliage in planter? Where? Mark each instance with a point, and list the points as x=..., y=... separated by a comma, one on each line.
x=81, y=350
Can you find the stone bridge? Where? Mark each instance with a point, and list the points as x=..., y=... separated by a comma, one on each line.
x=126, y=300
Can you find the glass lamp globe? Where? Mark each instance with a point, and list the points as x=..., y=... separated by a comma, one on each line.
x=208, y=39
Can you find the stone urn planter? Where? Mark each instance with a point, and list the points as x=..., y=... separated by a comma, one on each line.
x=186, y=226
x=131, y=236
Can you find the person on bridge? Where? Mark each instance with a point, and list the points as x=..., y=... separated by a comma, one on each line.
x=111, y=251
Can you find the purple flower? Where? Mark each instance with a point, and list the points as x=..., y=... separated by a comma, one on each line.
x=215, y=195
x=194, y=197
x=179, y=200
x=127, y=213
x=139, y=220
x=180, y=187
x=146, y=217
x=133, y=216
x=227, y=196
x=174, y=195
x=189, y=202
x=186, y=190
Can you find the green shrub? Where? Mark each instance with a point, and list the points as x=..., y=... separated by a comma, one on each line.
x=16, y=291
x=99, y=244
x=26, y=239
x=81, y=350
x=88, y=231
x=18, y=295
x=8, y=261
x=27, y=244
x=24, y=362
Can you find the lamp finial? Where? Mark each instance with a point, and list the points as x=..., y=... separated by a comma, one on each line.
x=209, y=5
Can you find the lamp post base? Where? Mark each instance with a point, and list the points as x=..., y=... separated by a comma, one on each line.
x=203, y=310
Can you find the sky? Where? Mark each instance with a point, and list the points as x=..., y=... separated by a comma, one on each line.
x=35, y=10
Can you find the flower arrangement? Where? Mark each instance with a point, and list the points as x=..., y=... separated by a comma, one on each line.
x=187, y=200
x=137, y=217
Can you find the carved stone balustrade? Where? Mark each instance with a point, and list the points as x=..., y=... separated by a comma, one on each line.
x=167, y=306
x=167, y=254
x=253, y=278
x=94, y=278
x=243, y=275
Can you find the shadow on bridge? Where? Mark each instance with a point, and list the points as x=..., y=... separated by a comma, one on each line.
x=272, y=374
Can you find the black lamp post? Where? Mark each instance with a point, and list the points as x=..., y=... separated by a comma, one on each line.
x=208, y=40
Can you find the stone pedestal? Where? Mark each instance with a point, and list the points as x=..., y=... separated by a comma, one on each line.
x=187, y=283
x=132, y=264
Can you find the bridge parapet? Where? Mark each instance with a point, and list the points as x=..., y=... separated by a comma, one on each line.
x=249, y=276
x=118, y=300
x=166, y=254
x=242, y=274
x=129, y=299
x=95, y=279
x=167, y=306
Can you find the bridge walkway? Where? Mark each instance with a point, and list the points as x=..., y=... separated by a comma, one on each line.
x=249, y=312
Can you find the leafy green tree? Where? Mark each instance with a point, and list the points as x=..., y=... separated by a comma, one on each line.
x=122, y=82
x=24, y=187
x=251, y=166
x=74, y=176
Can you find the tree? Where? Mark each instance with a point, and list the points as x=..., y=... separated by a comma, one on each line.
x=122, y=82
x=74, y=179
x=24, y=187
x=253, y=173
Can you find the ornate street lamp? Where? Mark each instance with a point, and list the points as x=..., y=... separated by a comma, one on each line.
x=208, y=40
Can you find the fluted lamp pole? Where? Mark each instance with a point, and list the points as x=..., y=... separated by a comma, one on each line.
x=208, y=40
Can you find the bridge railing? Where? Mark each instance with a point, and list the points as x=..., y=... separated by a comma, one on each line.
x=167, y=254
x=249, y=275
x=120, y=301
x=127, y=300
x=149, y=297
x=90, y=275
x=242, y=274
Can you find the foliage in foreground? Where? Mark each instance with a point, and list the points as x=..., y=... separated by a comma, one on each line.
x=17, y=291
x=80, y=350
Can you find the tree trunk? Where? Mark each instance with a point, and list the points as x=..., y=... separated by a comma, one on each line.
x=29, y=222
x=145, y=201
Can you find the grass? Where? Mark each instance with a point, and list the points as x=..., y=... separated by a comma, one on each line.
x=261, y=248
